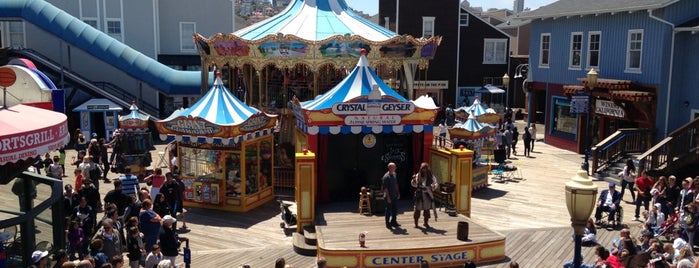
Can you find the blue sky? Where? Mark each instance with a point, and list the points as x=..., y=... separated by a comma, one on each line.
x=371, y=7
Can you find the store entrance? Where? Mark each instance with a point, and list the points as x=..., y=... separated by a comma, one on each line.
x=351, y=165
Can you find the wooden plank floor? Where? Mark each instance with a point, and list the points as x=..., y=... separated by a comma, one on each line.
x=341, y=225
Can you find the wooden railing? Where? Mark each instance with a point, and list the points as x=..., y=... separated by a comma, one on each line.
x=617, y=145
x=679, y=144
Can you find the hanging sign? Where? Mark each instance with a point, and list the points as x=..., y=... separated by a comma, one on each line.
x=609, y=108
x=192, y=126
x=344, y=108
x=254, y=123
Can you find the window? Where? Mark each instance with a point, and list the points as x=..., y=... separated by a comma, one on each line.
x=575, y=50
x=495, y=51
x=463, y=18
x=545, y=50
x=427, y=27
x=92, y=22
x=593, y=46
x=187, y=29
x=565, y=124
x=114, y=29
x=634, y=50
x=16, y=34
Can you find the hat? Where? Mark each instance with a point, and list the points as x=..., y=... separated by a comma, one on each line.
x=688, y=180
x=657, y=205
x=169, y=219
x=612, y=184
x=38, y=255
x=94, y=135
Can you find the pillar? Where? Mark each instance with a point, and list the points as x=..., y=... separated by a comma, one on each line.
x=305, y=178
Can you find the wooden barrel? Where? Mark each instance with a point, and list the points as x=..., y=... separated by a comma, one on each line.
x=462, y=231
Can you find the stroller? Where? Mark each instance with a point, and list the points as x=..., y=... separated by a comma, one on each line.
x=666, y=228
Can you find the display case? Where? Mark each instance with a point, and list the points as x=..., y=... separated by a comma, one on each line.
x=234, y=178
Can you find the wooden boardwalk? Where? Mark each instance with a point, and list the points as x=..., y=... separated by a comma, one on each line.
x=531, y=214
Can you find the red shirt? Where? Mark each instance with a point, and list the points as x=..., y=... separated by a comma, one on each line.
x=643, y=184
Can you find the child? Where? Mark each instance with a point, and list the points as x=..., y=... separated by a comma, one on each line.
x=76, y=238
x=46, y=163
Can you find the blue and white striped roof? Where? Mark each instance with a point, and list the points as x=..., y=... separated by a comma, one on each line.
x=134, y=114
x=316, y=20
x=476, y=108
x=220, y=107
x=357, y=84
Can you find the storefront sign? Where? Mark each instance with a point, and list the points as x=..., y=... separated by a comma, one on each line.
x=33, y=143
x=579, y=104
x=254, y=123
x=97, y=107
x=609, y=108
x=431, y=84
x=192, y=127
x=369, y=120
x=344, y=108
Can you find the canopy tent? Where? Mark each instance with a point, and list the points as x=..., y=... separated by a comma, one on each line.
x=471, y=129
x=315, y=33
x=363, y=103
x=218, y=117
x=482, y=114
x=134, y=119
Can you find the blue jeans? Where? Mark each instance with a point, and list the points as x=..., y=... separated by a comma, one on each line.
x=569, y=264
x=391, y=211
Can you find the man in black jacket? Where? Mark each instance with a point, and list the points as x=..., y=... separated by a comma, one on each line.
x=169, y=243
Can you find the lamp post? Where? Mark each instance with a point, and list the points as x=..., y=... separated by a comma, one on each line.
x=506, y=84
x=581, y=195
x=590, y=86
x=520, y=72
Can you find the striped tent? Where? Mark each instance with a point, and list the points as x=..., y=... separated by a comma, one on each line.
x=316, y=20
x=134, y=119
x=218, y=117
x=482, y=114
x=362, y=86
x=471, y=130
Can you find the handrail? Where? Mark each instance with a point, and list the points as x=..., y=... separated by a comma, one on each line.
x=617, y=145
x=108, y=90
x=680, y=143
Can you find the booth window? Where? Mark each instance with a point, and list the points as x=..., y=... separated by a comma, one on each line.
x=565, y=124
x=252, y=182
x=199, y=162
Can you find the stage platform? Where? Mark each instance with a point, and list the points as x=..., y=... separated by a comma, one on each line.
x=338, y=229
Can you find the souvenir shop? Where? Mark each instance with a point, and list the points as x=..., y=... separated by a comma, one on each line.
x=136, y=143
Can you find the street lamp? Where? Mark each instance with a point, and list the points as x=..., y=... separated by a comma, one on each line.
x=581, y=195
x=590, y=86
x=505, y=84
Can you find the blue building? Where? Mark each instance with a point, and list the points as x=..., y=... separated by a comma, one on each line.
x=644, y=52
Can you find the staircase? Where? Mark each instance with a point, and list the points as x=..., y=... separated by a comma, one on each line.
x=675, y=154
x=104, y=89
x=306, y=243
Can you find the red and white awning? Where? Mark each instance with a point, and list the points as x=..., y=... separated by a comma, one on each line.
x=27, y=132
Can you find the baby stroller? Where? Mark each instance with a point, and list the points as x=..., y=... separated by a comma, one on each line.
x=666, y=228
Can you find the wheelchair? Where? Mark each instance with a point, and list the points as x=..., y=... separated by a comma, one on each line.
x=616, y=222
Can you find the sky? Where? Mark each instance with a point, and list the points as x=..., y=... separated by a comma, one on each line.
x=371, y=7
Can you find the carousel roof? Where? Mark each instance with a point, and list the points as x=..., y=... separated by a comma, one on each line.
x=357, y=84
x=316, y=20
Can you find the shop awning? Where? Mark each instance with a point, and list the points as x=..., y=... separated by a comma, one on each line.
x=490, y=89
x=27, y=132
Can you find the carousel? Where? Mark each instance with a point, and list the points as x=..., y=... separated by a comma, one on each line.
x=357, y=128
x=224, y=151
x=304, y=51
x=476, y=131
x=137, y=142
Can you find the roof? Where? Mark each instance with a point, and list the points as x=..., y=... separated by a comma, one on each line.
x=356, y=85
x=564, y=8
x=102, y=46
x=220, y=107
x=98, y=105
x=40, y=131
x=316, y=20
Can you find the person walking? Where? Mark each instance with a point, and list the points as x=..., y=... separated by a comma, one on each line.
x=642, y=187
x=391, y=192
x=508, y=141
x=532, y=131
x=527, y=139
x=515, y=138
x=628, y=178
x=424, y=183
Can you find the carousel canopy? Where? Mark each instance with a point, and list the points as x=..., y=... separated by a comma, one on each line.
x=363, y=103
x=218, y=117
x=471, y=130
x=134, y=119
x=316, y=20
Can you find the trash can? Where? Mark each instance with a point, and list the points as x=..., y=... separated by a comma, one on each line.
x=462, y=231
